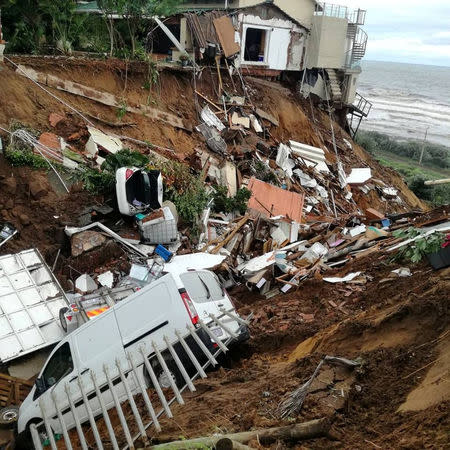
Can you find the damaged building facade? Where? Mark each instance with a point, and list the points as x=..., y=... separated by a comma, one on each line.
x=318, y=45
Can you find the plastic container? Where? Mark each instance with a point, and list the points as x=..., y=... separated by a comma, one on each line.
x=164, y=253
x=162, y=230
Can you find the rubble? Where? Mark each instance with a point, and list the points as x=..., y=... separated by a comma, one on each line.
x=85, y=241
x=84, y=284
x=304, y=254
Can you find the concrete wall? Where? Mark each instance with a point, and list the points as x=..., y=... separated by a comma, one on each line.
x=327, y=43
x=348, y=97
x=300, y=10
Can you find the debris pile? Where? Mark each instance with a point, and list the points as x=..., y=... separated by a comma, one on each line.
x=280, y=213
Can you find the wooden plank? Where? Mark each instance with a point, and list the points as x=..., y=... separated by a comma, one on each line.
x=13, y=379
x=241, y=223
x=226, y=34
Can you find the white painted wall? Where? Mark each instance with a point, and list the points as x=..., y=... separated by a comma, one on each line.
x=327, y=43
x=278, y=42
x=278, y=48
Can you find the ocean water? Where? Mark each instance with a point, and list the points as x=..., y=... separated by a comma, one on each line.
x=407, y=100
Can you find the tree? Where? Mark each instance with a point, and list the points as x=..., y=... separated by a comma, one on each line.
x=23, y=25
x=66, y=24
x=136, y=11
x=110, y=8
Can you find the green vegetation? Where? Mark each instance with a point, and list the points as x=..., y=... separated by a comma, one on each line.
x=25, y=157
x=404, y=158
x=40, y=26
x=223, y=203
x=419, y=248
x=103, y=181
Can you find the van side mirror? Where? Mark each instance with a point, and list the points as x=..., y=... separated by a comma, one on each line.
x=40, y=385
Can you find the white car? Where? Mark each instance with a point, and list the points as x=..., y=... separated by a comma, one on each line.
x=159, y=309
x=138, y=190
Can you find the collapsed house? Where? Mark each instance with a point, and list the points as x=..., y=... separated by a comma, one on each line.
x=317, y=45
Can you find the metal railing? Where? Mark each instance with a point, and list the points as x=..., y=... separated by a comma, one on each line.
x=362, y=105
x=122, y=382
x=357, y=17
x=359, y=45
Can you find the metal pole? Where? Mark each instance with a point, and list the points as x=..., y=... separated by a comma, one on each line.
x=166, y=370
x=423, y=146
x=132, y=403
x=223, y=326
x=143, y=390
x=61, y=421
x=90, y=414
x=213, y=337
x=202, y=345
x=179, y=364
x=35, y=437
x=83, y=443
x=104, y=412
x=118, y=407
x=156, y=385
x=48, y=428
x=191, y=355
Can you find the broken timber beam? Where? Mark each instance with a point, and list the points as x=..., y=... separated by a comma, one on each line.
x=240, y=224
x=296, y=432
x=105, y=98
x=229, y=444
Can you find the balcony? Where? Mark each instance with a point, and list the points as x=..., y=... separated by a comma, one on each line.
x=357, y=17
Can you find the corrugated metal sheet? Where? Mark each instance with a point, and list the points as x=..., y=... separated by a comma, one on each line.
x=202, y=27
x=274, y=201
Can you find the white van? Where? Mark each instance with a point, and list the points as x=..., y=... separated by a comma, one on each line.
x=159, y=309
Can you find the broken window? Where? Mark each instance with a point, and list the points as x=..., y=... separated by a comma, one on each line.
x=255, y=44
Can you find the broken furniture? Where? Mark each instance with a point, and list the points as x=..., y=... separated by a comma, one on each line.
x=13, y=390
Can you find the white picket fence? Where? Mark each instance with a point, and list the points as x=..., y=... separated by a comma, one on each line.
x=122, y=389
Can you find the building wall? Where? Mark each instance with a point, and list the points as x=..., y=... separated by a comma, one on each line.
x=327, y=43
x=284, y=42
x=300, y=10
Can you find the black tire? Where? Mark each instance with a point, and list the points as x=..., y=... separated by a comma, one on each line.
x=62, y=319
x=9, y=416
x=24, y=440
x=161, y=376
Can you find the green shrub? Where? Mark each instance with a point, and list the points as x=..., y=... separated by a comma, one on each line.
x=124, y=158
x=415, y=251
x=18, y=158
x=223, y=203
x=98, y=182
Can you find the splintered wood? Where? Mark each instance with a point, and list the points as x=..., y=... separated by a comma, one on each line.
x=13, y=390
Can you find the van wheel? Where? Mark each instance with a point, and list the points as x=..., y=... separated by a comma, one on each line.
x=9, y=416
x=23, y=440
x=163, y=378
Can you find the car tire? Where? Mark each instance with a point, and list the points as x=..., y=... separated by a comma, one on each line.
x=9, y=416
x=161, y=375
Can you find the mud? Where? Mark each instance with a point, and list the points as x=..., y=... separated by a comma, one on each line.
x=393, y=328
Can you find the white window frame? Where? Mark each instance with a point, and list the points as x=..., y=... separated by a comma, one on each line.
x=268, y=31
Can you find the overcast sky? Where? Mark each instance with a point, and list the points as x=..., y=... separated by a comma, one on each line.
x=412, y=31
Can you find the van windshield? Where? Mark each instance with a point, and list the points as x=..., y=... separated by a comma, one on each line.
x=59, y=366
x=202, y=287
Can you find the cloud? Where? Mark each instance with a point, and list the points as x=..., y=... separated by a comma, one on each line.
x=442, y=38
x=406, y=30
